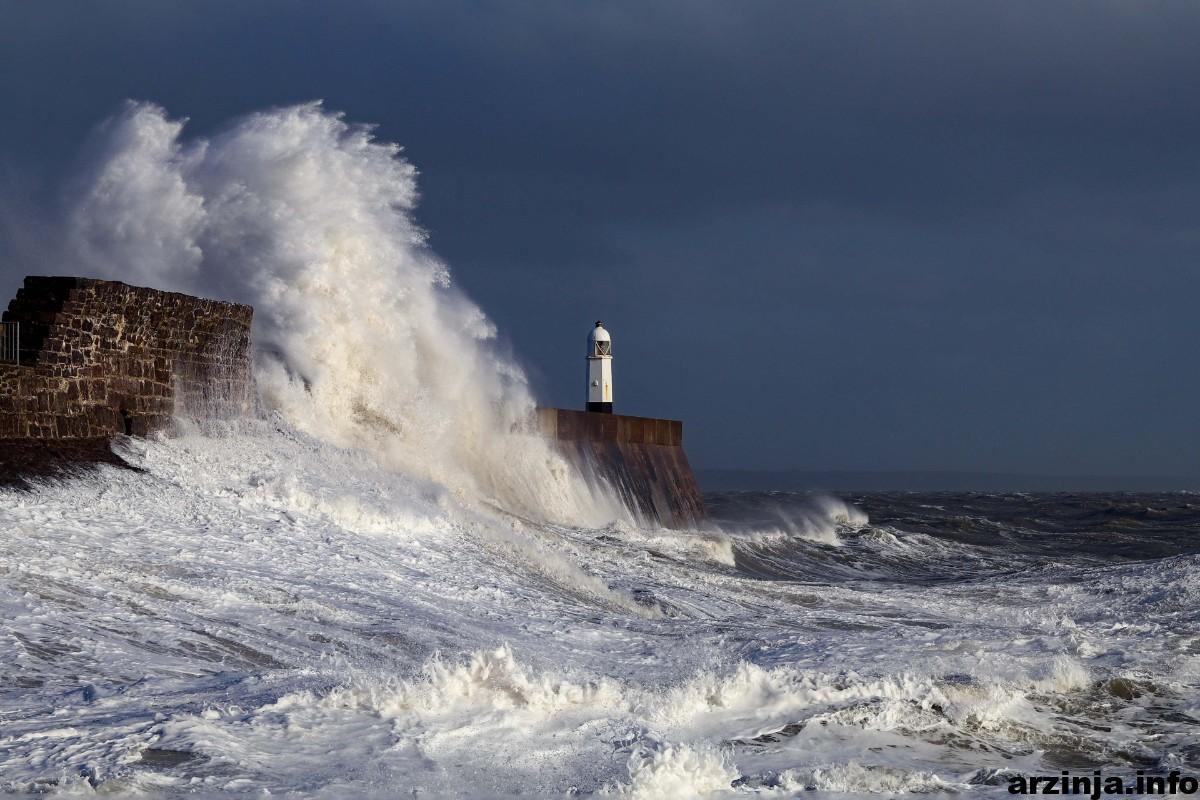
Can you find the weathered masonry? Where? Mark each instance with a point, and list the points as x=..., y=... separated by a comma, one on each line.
x=642, y=458
x=85, y=360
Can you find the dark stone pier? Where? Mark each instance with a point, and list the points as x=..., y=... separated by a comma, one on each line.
x=84, y=361
x=87, y=360
x=641, y=457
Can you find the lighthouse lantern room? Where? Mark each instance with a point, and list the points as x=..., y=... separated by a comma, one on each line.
x=599, y=370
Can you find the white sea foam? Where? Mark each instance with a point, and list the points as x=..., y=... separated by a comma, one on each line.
x=862, y=779
x=359, y=594
x=663, y=771
x=360, y=337
x=277, y=613
x=819, y=520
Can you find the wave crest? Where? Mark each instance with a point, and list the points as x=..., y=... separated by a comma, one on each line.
x=361, y=339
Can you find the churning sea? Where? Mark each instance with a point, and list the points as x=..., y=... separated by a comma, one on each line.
x=260, y=612
x=370, y=589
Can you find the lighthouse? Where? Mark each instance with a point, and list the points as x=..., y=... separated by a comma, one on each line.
x=599, y=370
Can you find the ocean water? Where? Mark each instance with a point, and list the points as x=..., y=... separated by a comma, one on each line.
x=380, y=585
x=259, y=611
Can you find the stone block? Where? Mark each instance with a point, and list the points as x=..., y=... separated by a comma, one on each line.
x=96, y=347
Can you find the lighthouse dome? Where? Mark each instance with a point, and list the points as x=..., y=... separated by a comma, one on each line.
x=599, y=342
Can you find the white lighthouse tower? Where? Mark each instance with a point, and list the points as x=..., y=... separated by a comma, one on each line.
x=599, y=370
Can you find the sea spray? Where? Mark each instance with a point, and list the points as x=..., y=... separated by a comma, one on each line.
x=268, y=611
x=360, y=337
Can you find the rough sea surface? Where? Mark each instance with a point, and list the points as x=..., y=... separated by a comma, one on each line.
x=355, y=594
x=258, y=611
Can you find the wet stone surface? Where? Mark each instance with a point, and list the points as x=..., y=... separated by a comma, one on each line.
x=100, y=359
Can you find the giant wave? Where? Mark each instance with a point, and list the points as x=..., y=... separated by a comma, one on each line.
x=379, y=586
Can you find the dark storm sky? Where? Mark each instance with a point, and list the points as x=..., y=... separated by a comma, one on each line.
x=935, y=235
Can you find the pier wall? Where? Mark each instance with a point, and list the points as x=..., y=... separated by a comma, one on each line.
x=100, y=358
x=642, y=458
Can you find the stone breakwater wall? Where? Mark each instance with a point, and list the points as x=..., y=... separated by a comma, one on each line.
x=641, y=458
x=98, y=359
x=101, y=358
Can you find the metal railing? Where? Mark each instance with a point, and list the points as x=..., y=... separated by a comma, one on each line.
x=10, y=342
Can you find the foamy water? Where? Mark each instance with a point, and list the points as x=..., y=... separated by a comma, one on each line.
x=262, y=610
x=381, y=586
x=359, y=335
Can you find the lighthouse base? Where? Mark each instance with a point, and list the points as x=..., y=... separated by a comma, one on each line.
x=600, y=408
x=642, y=459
